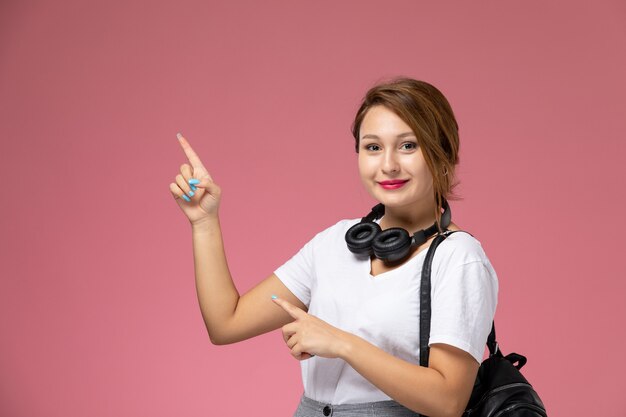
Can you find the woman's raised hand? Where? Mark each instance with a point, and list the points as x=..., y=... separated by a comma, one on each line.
x=199, y=201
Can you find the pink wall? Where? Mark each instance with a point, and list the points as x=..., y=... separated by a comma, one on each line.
x=98, y=310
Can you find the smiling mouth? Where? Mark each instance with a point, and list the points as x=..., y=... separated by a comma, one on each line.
x=394, y=182
x=393, y=186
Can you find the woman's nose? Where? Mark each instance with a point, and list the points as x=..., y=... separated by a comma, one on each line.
x=390, y=162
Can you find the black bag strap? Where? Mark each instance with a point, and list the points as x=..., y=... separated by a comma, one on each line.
x=425, y=308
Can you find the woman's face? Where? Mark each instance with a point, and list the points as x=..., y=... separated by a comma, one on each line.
x=388, y=151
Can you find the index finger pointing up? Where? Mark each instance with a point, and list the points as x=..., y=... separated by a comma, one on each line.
x=191, y=154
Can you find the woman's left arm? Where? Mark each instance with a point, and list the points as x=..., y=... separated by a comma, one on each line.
x=441, y=390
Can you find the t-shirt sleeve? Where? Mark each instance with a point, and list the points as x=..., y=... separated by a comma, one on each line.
x=297, y=273
x=463, y=307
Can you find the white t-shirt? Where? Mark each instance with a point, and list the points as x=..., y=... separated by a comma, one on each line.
x=337, y=287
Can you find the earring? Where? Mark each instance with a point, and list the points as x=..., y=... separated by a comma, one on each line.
x=445, y=173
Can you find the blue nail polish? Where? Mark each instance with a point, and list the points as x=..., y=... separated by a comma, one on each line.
x=194, y=181
x=191, y=193
x=274, y=297
x=186, y=198
x=193, y=187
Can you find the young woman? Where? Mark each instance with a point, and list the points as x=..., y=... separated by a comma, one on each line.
x=351, y=318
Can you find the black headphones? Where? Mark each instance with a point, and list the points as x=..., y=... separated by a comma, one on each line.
x=393, y=244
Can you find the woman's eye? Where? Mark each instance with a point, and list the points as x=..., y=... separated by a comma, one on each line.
x=412, y=144
x=369, y=147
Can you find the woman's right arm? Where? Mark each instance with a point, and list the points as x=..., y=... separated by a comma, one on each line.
x=228, y=317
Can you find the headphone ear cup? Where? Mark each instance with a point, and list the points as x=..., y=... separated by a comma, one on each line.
x=360, y=236
x=392, y=244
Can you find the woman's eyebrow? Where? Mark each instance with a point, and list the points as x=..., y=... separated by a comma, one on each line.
x=400, y=136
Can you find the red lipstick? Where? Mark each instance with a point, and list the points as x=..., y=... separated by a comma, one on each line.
x=392, y=184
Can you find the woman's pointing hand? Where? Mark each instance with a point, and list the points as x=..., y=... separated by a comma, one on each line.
x=199, y=200
x=309, y=336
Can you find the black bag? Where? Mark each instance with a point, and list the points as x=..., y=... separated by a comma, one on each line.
x=500, y=389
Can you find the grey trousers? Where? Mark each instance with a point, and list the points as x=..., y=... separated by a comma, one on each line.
x=311, y=408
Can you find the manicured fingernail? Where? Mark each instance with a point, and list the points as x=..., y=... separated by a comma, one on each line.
x=193, y=187
x=274, y=297
x=179, y=136
x=194, y=181
x=186, y=198
x=191, y=193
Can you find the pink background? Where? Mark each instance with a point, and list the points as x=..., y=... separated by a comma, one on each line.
x=98, y=310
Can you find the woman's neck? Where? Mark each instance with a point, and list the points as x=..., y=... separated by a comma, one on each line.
x=411, y=218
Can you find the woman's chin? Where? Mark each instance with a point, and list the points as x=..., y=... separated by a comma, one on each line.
x=388, y=201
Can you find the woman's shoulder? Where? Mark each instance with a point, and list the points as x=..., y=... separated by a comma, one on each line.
x=461, y=255
x=461, y=247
